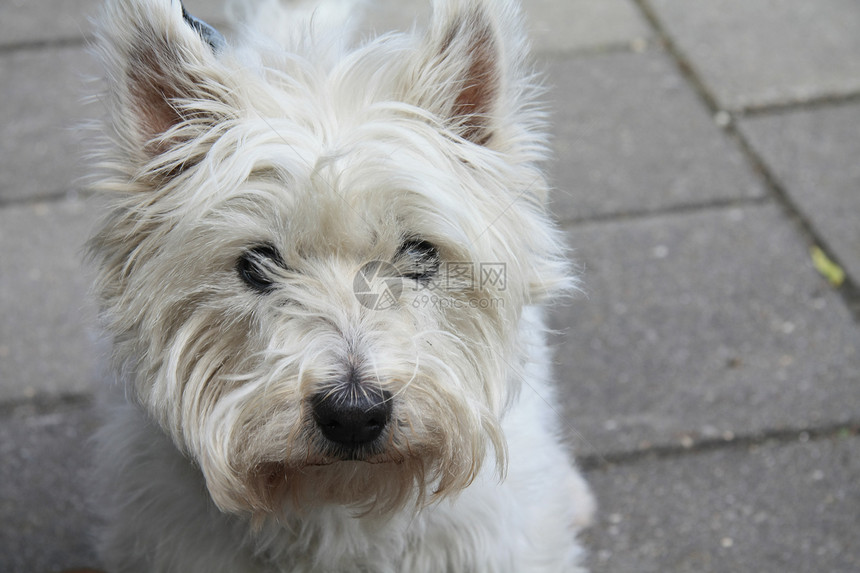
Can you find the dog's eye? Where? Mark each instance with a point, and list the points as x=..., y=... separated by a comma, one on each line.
x=256, y=265
x=422, y=259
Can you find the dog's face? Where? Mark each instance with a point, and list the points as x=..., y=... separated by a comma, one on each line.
x=315, y=269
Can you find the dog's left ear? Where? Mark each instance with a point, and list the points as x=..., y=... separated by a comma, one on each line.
x=468, y=66
x=165, y=85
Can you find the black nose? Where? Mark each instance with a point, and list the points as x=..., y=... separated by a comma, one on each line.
x=353, y=415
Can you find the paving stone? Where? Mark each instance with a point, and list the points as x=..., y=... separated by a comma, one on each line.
x=699, y=325
x=631, y=136
x=48, y=335
x=769, y=508
x=584, y=24
x=41, y=109
x=553, y=26
x=760, y=52
x=28, y=21
x=51, y=20
x=815, y=154
x=45, y=525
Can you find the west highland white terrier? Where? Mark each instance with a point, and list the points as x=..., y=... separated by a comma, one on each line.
x=322, y=273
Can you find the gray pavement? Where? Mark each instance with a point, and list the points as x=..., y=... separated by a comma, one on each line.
x=710, y=376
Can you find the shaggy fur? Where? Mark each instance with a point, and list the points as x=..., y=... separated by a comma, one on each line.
x=251, y=181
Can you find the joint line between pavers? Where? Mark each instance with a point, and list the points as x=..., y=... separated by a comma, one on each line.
x=683, y=209
x=807, y=104
x=42, y=404
x=600, y=461
x=46, y=44
x=38, y=199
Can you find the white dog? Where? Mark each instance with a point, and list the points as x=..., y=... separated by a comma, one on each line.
x=322, y=274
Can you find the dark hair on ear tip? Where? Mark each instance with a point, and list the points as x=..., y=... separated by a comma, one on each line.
x=212, y=36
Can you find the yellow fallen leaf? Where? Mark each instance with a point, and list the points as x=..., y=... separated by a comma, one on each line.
x=828, y=269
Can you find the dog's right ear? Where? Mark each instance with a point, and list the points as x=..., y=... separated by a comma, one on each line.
x=165, y=84
x=471, y=71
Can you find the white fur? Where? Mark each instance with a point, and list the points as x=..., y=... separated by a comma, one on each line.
x=334, y=156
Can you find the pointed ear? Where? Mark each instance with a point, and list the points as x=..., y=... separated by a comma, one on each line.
x=164, y=81
x=466, y=65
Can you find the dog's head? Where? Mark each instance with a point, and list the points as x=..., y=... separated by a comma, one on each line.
x=317, y=258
